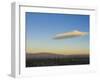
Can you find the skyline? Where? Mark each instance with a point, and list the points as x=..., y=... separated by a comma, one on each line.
x=41, y=27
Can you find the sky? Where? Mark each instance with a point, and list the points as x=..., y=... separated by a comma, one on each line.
x=42, y=27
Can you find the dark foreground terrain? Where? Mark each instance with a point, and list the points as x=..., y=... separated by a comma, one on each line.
x=50, y=59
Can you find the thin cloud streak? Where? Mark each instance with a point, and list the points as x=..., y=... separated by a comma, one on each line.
x=67, y=35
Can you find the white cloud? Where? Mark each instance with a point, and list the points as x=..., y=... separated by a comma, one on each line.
x=72, y=34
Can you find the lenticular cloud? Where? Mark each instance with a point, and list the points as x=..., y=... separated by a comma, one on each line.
x=72, y=34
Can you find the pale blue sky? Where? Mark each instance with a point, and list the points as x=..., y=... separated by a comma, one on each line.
x=41, y=27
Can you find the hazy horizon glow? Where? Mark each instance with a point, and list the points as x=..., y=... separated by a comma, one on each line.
x=41, y=27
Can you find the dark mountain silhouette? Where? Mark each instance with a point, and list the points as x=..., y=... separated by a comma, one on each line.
x=53, y=59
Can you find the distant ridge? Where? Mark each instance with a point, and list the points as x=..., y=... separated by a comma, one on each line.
x=45, y=55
